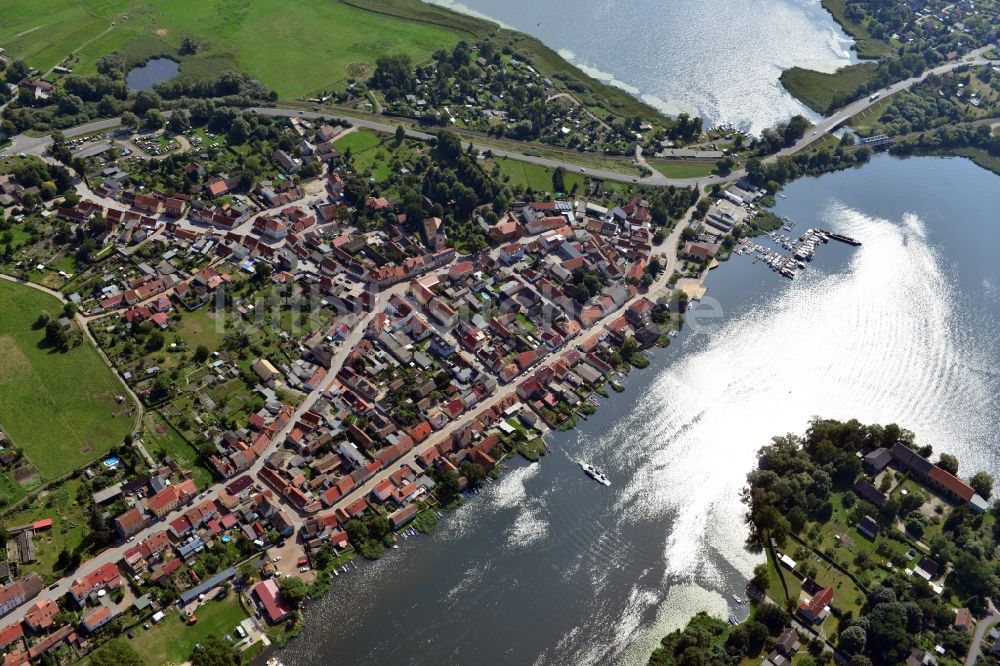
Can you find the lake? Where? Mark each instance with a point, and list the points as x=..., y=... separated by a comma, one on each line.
x=718, y=60
x=547, y=567
x=154, y=71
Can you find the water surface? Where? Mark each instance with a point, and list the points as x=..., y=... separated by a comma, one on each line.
x=154, y=71
x=720, y=60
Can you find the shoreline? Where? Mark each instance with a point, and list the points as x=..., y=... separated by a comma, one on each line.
x=609, y=80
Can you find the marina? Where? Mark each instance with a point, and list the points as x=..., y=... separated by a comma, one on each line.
x=800, y=251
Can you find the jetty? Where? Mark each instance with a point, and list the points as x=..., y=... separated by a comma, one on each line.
x=841, y=237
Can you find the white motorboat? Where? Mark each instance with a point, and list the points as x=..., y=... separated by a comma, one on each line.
x=595, y=474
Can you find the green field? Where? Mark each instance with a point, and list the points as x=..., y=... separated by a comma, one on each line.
x=865, y=121
x=202, y=327
x=294, y=46
x=172, y=641
x=368, y=153
x=58, y=407
x=536, y=176
x=684, y=169
x=817, y=89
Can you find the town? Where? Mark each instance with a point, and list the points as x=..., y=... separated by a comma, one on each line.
x=316, y=369
x=290, y=335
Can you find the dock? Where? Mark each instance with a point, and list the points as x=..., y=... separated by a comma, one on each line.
x=842, y=238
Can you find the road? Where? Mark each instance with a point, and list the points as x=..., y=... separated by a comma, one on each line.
x=838, y=118
x=116, y=553
x=984, y=625
x=38, y=145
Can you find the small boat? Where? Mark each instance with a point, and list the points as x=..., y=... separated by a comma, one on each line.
x=595, y=474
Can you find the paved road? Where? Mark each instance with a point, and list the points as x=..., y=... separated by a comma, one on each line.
x=116, y=553
x=975, y=648
x=838, y=118
x=656, y=180
x=38, y=145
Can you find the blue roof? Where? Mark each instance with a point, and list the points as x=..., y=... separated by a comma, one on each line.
x=216, y=580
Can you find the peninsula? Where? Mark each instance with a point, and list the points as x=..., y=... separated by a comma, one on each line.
x=875, y=555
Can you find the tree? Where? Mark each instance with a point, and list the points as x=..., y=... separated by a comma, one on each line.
x=853, y=639
x=889, y=640
x=180, y=121
x=117, y=652
x=152, y=119
x=201, y=354
x=213, y=651
x=948, y=463
x=188, y=46
x=400, y=135
x=759, y=580
x=559, y=180
x=982, y=483
x=239, y=131
x=473, y=472
x=293, y=590
x=55, y=335
x=16, y=71
x=130, y=120
x=771, y=616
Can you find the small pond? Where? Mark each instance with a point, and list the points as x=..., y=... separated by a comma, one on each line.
x=154, y=71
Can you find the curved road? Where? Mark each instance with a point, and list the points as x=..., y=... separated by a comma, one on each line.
x=984, y=625
x=38, y=145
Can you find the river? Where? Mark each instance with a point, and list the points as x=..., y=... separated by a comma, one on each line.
x=548, y=567
x=718, y=60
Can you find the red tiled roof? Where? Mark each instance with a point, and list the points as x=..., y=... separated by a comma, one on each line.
x=951, y=483
x=815, y=606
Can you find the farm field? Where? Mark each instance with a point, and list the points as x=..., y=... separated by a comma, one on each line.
x=313, y=47
x=59, y=408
